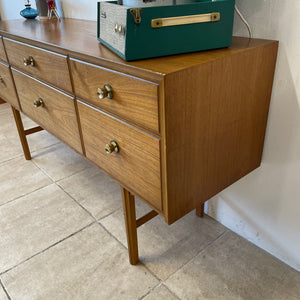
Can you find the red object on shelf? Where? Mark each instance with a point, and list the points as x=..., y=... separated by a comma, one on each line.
x=51, y=4
x=52, y=9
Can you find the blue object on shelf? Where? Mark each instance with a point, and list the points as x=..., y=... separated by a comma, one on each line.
x=29, y=12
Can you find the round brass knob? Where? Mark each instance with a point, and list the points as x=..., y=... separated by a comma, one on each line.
x=28, y=61
x=112, y=147
x=39, y=102
x=106, y=91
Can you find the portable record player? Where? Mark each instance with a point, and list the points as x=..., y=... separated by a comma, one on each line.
x=137, y=29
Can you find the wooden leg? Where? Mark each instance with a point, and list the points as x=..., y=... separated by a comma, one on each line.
x=21, y=132
x=200, y=210
x=131, y=227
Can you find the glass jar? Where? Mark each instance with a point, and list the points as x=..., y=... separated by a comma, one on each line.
x=28, y=12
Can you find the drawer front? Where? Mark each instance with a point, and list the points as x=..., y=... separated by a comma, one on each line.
x=58, y=115
x=7, y=88
x=134, y=100
x=136, y=165
x=2, y=51
x=47, y=65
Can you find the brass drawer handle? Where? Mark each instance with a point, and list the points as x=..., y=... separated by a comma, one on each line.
x=29, y=61
x=39, y=102
x=106, y=91
x=1, y=79
x=112, y=147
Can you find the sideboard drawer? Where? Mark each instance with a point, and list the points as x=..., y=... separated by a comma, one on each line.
x=2, y=51
x=134, y=100
x=57, y=113
x=7, y=88
x=46, y=65
x=136, y=165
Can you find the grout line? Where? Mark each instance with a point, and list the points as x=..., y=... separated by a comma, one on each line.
x=74, y=199
x=156, y=287
x=104, y=228
x=9, y=159
x=21, y=154
x=19, y=197
x=140, y=262
x=44, y=250
x=108, y=214
x=202, y=250
x=171, y=291
x=4, y=289
x=69, y=175
x=61, y=188
x=150, y=291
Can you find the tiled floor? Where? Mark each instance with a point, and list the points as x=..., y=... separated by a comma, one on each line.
x=62, y=237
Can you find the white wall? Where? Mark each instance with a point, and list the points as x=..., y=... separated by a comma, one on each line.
x=264, y=206
x=10, y=9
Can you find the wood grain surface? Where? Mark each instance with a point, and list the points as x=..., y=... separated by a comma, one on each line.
x=58, y=116
x=2, y=51
x=210, y=109
x=7, y=88
x=215, y=135
x=137, y=165
x=79, y=38
x=48, y=66
x=131, y=226
x=134, y=100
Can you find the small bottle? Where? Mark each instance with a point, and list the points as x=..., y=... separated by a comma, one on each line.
x=28, y=12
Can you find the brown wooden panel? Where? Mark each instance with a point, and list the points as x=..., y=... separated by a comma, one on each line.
x=48, y=66
x=7, y=88
x=58, y=116
x=2, y=51
x=134, y=99
x=137, y=164
x=215, y=136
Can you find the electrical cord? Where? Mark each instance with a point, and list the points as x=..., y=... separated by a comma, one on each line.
x=244, y=21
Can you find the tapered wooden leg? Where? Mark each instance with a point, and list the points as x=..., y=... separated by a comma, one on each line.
x=131, y=227
x=21, y=132
x=200, y=210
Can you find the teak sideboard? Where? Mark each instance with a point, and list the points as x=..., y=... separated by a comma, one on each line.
x=173, y=131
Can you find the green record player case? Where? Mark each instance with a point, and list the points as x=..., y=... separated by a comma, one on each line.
x=144, y=32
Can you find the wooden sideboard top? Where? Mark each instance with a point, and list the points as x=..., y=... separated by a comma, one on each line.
x=79, y=38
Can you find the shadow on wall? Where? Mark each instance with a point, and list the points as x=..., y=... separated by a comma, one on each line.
x=264, y=206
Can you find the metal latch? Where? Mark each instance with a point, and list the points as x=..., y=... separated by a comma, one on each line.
x=193, y=19
x=136, y=12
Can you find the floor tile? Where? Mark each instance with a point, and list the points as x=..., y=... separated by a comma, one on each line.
x=59, y=161
x=164, y=249
x=95, y=191
x=2, y=294
x=20, y=177
x=7, y=121
x=4, y=107
x=34, y=222
x=7, y=149
x=36, y=141
x=89, y=265
x=233, y=268
x=160, y=293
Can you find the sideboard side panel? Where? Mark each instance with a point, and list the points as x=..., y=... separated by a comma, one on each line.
x=215, y=125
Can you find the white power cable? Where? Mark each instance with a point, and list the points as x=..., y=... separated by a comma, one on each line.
x=244, y=21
